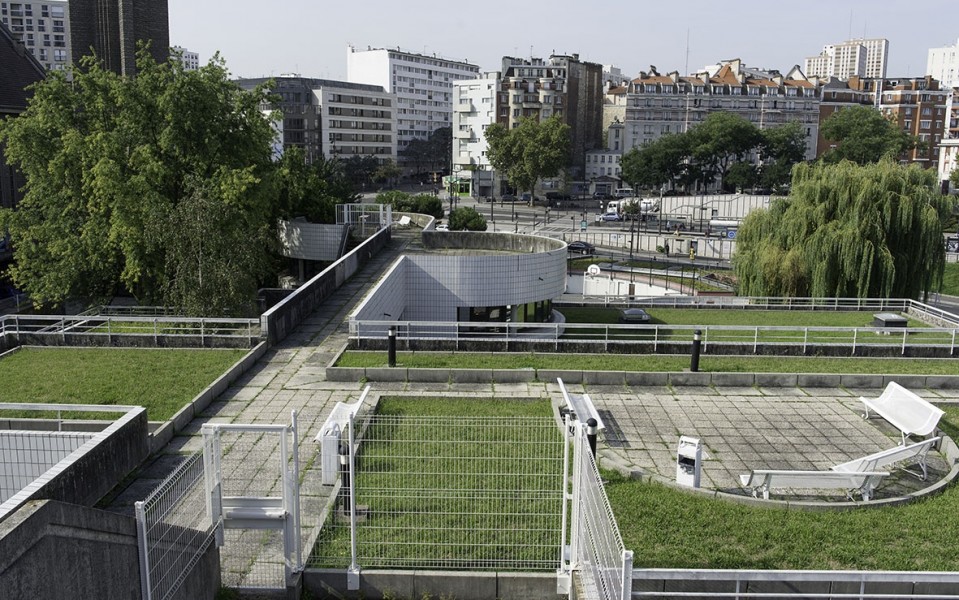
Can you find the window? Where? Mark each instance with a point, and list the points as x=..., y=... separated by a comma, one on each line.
x=60, y=55
x=924, y=124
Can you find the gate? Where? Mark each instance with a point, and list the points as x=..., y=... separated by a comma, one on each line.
x=252, y=493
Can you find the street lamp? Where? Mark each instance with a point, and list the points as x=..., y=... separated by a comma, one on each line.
x=547, y=215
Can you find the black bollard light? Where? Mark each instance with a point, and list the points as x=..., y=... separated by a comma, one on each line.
x=591, y=426
x=697, y=345
x=391, y=347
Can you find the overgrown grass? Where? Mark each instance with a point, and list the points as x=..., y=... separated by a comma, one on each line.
x=481, y=492
x=672, y=529
x=163, y=381
x=652, y=363
x=950, y=279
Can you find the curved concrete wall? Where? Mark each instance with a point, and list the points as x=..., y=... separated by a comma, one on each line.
x=506, y=269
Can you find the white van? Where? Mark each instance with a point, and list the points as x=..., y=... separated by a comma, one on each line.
x=623, y=192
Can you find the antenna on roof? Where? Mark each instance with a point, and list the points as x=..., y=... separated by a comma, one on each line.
x=686, y=69
x=850, y=23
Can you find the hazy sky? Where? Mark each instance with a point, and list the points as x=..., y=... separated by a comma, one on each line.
x=309, y=37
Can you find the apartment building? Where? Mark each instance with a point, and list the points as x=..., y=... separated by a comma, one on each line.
x=563, y=86
x=860, y=57
x=916, y=104
x=943, y=65
x=422, y=86
x=190, y=60
x=474, y=109
x=333, y=118
x=653, y=105
x=43, y=28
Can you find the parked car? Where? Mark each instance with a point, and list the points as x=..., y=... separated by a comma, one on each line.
x=633, y=315
x=611, y=217
x=443, y=227
x=602, y=196
x=557, y=197
x=507, y=198
x=529, y=199
x=581, y=247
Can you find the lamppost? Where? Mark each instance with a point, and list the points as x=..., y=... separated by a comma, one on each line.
x=547, y=215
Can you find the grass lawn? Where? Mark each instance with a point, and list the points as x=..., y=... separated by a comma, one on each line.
x=950, y=279
x=652, y=362
x=163, y=381
x=743, y=318
x=462, y=484
x=672, y=529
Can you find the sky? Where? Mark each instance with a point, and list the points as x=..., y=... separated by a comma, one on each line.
x=310, y=37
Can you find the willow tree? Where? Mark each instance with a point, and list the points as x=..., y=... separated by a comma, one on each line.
x=846, y=231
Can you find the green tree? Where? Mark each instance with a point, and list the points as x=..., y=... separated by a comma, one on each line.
x=954, y=178
x=424, y=204
x=846, y=230
x=388, y=172
x=863, y=135
x=722, y=139
x=465, y=218
x=311, y=191
x=108, y=160
x=529, y=152
x=360, y=169
x=781, y=148
x=742, y=175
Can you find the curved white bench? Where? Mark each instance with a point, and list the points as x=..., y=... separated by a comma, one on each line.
x=904, y=410
x=913, y=452
x=763, y=480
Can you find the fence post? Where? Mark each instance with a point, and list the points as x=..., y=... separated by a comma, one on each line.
x=146, y=587
x=391, y=342
x=627, y=583
x=591, y=426
x=353, y=575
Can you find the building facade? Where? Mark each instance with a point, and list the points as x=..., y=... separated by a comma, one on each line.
x=474, y=109
x=335, y=119
x=943, y=64
x=562, y=86
x=422, y=86
x=916, y=105
x=654, y=105
x=43, y=28
x=113, y=28
x=860, y=57
x=190, y=60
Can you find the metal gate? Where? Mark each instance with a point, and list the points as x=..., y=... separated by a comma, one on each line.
x=252, y=493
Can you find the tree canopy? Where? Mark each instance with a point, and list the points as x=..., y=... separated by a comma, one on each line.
x=864, y=135
x=431, y=154
x=466, y=218
x=529, y=152
x=158, y=185
x=424, y=204
x=846, y=230
x=722, y=139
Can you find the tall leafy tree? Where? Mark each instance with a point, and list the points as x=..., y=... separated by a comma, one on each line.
x=722, y=139
x=312, y=190
x=529, y=152
x=846, y=230
x=466, y=218
x=108, y=162
x=656, y=163
x=781, y=148
x=863, y=135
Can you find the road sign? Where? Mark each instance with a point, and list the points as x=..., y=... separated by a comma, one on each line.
x=582, y=225
x=731, y=234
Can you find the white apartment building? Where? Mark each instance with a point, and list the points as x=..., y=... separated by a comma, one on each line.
x=190, y=60
x=43, y=28
x=943, y=64
x=861, y=56
x=474, y=109
x=421, y=84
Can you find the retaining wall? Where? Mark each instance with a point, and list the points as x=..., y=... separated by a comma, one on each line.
x=54, y=550
x=462, y=585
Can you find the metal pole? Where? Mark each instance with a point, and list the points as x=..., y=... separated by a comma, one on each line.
x=345, y=477
x=697, y=345
x=391, y=352
x=591, y=430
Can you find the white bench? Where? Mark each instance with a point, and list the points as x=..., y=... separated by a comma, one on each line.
x=768, y=479
x=904, y=410
x=913, y=452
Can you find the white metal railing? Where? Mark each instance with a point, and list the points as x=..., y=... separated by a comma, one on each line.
x=743, y=584
x=597, y=552
x=112, y=328
x=174, y=530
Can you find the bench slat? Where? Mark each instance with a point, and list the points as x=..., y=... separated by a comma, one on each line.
x=904, y=410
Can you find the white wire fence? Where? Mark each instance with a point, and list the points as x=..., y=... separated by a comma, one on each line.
x=598, y=555
x=174, y=530
x=449, y=493
x=26, y=455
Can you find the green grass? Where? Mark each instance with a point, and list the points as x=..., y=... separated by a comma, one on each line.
x=466, y=483
x=950, y=279
x=651, y=363
x=671, y=529
x=742, y=318
x=163, y=381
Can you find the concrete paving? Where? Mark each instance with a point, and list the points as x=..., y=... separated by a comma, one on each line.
x=742, y=428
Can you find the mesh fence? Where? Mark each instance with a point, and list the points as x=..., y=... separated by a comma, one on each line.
x=250, y=466
x=174, y=529
x=452, y=493
x=600, y=558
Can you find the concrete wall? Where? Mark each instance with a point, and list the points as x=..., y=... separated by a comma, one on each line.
x=461, y=585
x=283, y=318
x=390, y=299
x=53, y=550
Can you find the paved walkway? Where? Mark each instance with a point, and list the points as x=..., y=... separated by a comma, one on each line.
x=742, y=428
